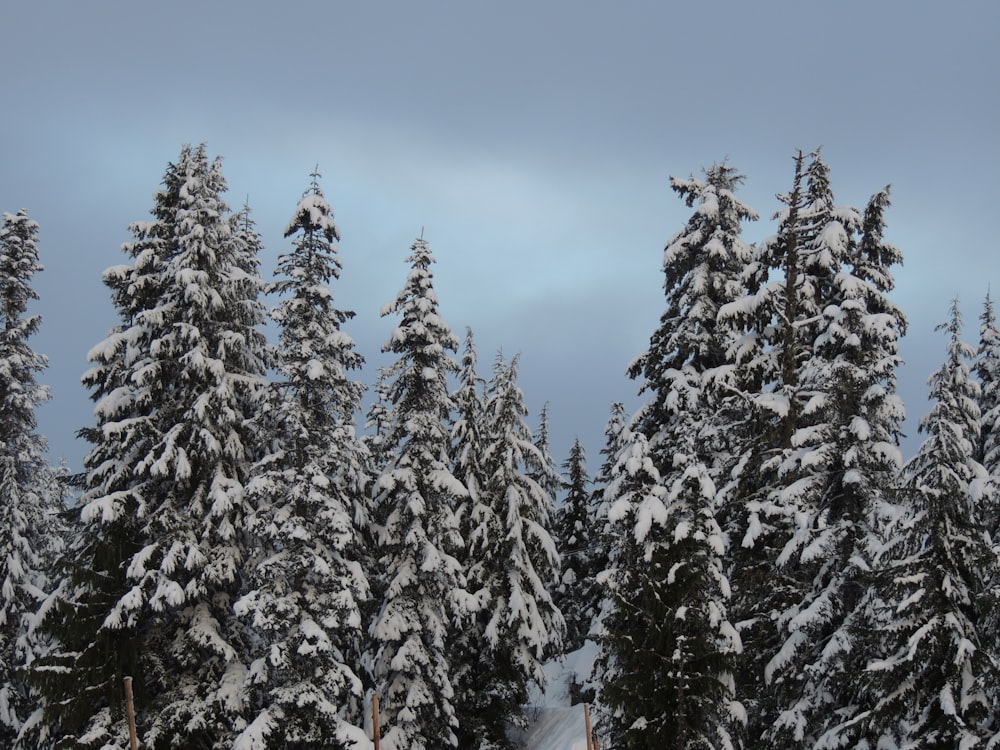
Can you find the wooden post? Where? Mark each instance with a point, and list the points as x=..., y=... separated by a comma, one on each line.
x=586, y=723
x=375, y=729
x=133, y=741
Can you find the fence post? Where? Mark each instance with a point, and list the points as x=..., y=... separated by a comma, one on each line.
x=586, y=723
x=133, y=741
x=375, y=729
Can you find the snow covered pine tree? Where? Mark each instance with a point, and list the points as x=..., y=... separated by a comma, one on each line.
x=671, y=648
x=423, y=586
x=513, y=563
x=27, y=491
x=932, y=677
x=577, y=594
x=161, y=539
x=309, y=510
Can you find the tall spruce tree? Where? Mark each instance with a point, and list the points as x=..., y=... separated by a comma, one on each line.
x=671, y=566
x=161, y=541
x=377, y=420
x=541, y=465
x=600, y=499
x=27, y=499
x=468, y=444
x=476, y=523
x=424, y=587
x=840, y=467
x=576, y=595
x=987, y=370
x=817, y=359
x=513, y=563
x=309, y=579
x=931, y=681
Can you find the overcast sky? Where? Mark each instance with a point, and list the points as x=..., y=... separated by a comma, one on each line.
x=531, y=142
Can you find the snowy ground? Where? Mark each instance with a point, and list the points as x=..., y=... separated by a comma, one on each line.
x=554, y=721
x=555, y=724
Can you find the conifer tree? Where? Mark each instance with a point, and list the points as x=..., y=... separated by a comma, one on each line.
x=161, y=540
x=513, y=562
x=987, y=370
x=600, y=500
x=577, y=594
x=477, y=525
x=424, y=586
x=541, y=465
x=468, y=441
x=638, y=688
x=670, y=602
x=27, y=499
x=931, y=680
x=376, y=424
x=308, y=580
x=818, y=360
x=842, y=475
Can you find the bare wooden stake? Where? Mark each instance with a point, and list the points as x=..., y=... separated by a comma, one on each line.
x=133, y=741
x=586, y=723
x=375, y=730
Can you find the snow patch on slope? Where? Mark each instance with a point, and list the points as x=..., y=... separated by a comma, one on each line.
x=554, y=722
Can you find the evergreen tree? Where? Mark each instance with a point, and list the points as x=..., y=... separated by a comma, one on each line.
x=468, y=441
x=424, y=587
x=669, y=586
x=477, y=526
x=987, y=370
x=376, y=424
x=161, y=540
x=817, y=366
x=26, y=486
x=932, y=683
x=541, y=466
x=768, y=355
x=513, y=561
x=839, y=470
x=600, y=499
x=309, y=579
x=576, y=595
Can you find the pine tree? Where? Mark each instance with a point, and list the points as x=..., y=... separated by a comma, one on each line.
x=817, y=360
x=541, y=465
x=513, y=561
x=669, y=586
x=477, y=525
x=930, y=683
x=161, y=540
x=577, y=595
x=987, y=370
x=840, y=470
x=600, y=499
x=26, y=485
x=424, y=586
x=376, y=425
x=639, y=687
x=309, y=578
x=468, y=442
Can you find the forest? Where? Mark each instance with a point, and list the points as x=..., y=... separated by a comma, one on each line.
x=754, y=560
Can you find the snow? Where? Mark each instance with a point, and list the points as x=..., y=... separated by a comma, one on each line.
x=555, y=728
x=554, y=723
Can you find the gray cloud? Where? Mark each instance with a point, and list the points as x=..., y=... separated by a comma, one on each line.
x=532, y=142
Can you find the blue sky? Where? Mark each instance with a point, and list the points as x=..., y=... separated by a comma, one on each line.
x=532, y=143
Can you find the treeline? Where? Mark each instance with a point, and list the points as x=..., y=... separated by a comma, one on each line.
x=757, y=564
x=238, y=548
x=778, y=578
